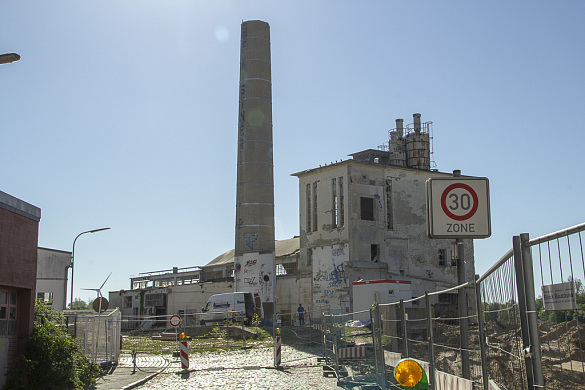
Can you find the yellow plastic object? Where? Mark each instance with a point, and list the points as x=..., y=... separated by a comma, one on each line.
x=408, y=373
x=182, y=336
x=278, y=331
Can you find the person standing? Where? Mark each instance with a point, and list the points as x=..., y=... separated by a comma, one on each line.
x=301, y=311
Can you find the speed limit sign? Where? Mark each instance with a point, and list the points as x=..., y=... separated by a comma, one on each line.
x=458, y=207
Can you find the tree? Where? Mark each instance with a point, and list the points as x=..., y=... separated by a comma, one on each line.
x=52, y=358
x=80, y=304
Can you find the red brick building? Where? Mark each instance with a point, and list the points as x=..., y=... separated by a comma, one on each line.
x=19, y=232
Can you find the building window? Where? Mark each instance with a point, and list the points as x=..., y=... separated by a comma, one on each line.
x=315, y=206
x=367, y=208
x=389, y=213
x=442, y=257
x=341, y=216
x=154, y=300
x=374, y=252
x=46, y=297
x=309, y=256
x=128, y=302
x=334, y=203
x=8, y=313
x=280, y=270
x=308, y=199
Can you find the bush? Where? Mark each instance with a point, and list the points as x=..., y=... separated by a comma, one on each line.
x=52, y=359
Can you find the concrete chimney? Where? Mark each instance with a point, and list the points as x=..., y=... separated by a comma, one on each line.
x=400, y=127
x=416, y=118
x=254, y=263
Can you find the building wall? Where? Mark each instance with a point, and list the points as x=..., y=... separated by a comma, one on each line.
x=52, y=268
x=19, y=226
x=382, y=236
x=190, y=298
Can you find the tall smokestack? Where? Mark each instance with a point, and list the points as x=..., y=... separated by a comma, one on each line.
x=254, y=263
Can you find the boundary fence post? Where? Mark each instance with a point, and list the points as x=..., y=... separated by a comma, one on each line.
x=532, y=320
x=481, y=331
x=404, y=330
x=521, y=289
x=376, y=321
x=431, y=341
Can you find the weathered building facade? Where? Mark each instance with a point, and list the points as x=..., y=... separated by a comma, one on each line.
x=52, y=268
x=365, y=219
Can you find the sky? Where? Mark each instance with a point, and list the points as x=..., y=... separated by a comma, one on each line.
x=123, y=114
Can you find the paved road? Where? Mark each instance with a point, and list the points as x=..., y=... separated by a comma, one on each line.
x=244, y=369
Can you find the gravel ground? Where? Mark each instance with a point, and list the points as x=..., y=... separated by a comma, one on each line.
x=245, y=369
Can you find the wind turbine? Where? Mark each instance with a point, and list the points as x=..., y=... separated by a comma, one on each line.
x=100, y=304
x=98, y=290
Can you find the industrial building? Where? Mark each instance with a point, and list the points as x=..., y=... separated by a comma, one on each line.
x=365, y=219
x=361, y=219
x=52, y=268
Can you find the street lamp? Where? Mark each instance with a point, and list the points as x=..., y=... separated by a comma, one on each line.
x=8, y=58
x=73, y=258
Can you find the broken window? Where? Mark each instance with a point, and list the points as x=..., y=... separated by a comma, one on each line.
x=334, y=203
x=374, y=252
x=341, y=217
x=442, y=257
x=315, y=206
x=367, y=208
x=389, y=214
x=308, y=200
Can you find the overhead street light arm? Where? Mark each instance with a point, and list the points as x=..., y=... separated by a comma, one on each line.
x=8, y=58
x=73, y=258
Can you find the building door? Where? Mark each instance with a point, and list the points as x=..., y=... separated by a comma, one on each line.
x=8, y=322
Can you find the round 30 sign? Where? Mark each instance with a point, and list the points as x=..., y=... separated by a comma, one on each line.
x=458, y=208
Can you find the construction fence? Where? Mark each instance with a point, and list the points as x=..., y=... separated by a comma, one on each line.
x=506, y=336
x=98, y=334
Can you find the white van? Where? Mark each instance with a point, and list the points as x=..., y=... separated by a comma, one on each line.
x=237, y=306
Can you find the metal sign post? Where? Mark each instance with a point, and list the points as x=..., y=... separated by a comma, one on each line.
x=175, y=321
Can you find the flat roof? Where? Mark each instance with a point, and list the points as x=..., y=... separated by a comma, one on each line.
x=15, y=205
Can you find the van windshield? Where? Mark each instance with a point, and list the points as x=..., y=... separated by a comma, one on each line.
x=207, y=307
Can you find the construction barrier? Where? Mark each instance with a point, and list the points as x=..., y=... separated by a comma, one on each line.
x=352, y=352
x=277, y=351
x=184, y=355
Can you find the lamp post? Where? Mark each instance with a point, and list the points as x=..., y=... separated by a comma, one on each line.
x=8, y=58
x=73, y=257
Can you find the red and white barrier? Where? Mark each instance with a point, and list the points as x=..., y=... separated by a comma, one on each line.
x=352, y=352
x=277, y=350
x=184, y=355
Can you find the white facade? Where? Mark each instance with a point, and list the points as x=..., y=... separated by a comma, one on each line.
x=366, y=292
x=52, y=268
x=362, y=220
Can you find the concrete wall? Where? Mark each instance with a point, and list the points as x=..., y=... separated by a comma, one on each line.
x=392, y=244
x=52, y=268
x=188, y=298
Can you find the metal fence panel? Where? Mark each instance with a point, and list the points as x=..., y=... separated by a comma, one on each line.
x=559, y=263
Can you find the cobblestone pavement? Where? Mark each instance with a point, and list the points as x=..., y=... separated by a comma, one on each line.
x=244, y=369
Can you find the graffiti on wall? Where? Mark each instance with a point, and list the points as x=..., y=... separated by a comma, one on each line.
x=331, y=280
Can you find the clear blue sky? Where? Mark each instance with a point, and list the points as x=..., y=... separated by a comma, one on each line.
x=123, y=114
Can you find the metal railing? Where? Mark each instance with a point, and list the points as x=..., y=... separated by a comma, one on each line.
x=98, y=334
